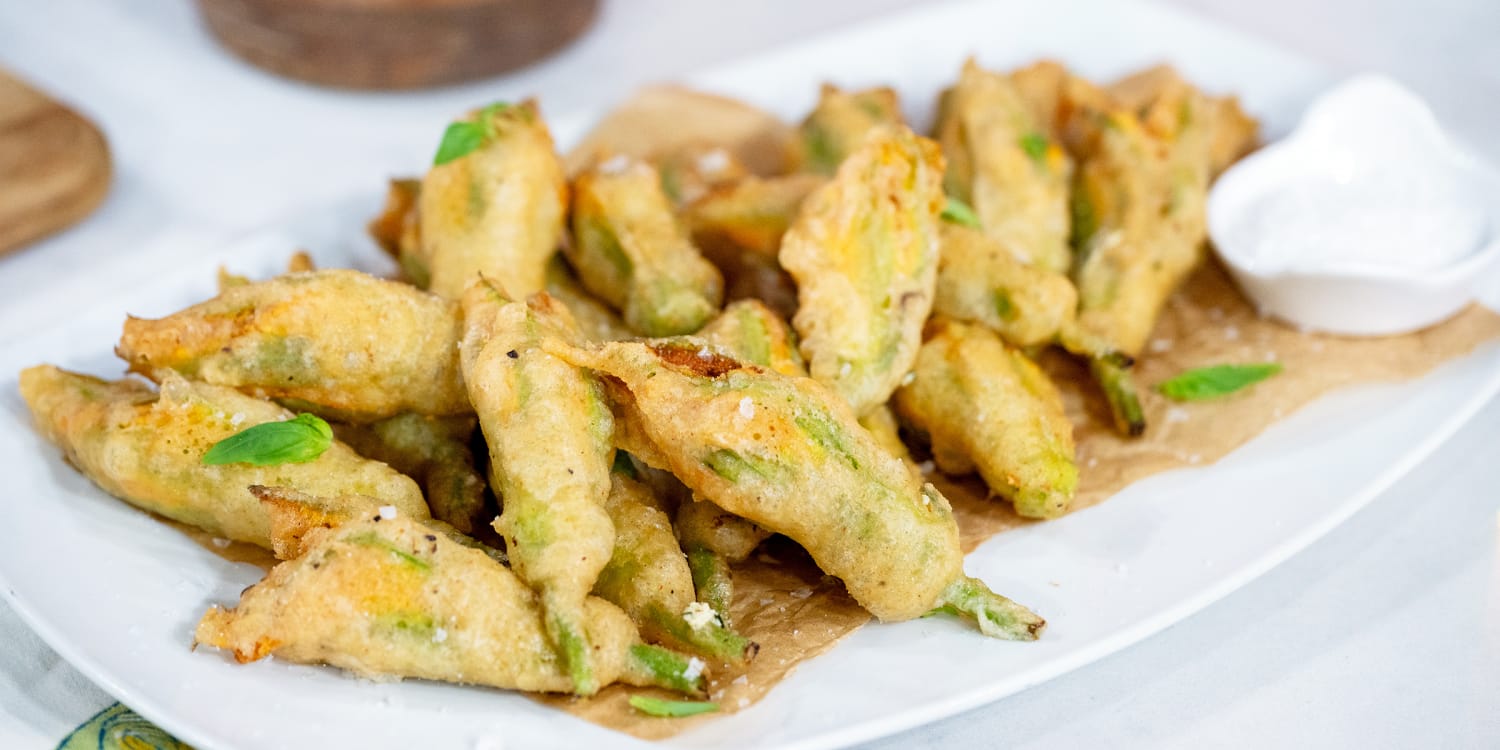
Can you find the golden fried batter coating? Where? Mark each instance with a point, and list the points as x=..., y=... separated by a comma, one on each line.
x=981, y=281
x=755, y=334
x=395, y=227
x=435, y=452
x=649, y=578
x=390, y=597
x=629, y=249
x=864, y=252
x=1140, y=225
x=740, y=226
x=549, y=433
x=398, y=230
x=713, y=538
x=340, y=343
x=1056, y=97
x=498, y=211
x=881, y=423
x=594, y=318
x=689, y=173
x=147, y=449
x=788, y=454
x=294, y=514
x=702, y=524
x=751, y=214
x=988, y=407
x=839, y=124
x=1004, y=163
x=1233, y=133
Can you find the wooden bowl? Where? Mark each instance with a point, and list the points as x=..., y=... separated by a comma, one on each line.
x=395, y=44
x=54, y=165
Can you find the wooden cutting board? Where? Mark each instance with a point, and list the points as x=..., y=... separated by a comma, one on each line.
x=54, y=165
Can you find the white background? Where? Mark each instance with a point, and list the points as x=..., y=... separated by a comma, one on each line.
x=1386, y=633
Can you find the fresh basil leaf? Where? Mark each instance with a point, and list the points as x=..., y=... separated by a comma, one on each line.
x=674, y=709
x=297, y=440
x=957, y=212
x=1206, y=383
x=1035, y=146
x=460, y=139
x=465, y=136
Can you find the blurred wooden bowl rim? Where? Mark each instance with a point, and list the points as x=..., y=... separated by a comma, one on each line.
x=395, y=44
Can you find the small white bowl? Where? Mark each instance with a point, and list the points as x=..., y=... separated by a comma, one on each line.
x=1369, y=121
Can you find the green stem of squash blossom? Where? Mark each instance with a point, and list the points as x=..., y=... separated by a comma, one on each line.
x=712, y=581
x=670, y=709
x=996, y=616
x=1119, y=389
x=665, y=668
x=574, y=648
x=712, y=640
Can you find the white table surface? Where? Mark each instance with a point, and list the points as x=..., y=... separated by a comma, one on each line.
x=1386, y=633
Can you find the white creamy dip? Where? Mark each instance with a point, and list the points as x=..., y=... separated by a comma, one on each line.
x=1399, y=219
x=1367, y=220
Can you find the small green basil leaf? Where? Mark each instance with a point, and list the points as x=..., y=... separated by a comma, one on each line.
x=1035, y=146
x=1206, y=383
x=460, y=139
x=958, y=212
x=294, y=441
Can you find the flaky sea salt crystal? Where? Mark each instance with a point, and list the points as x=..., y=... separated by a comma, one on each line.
x=615, y=164
x=699, y=615
x=713, y=161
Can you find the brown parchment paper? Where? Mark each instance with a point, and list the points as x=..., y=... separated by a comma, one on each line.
x=796, y=613
x=659, y=119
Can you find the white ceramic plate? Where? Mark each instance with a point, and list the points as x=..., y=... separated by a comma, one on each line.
x=117, y=594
